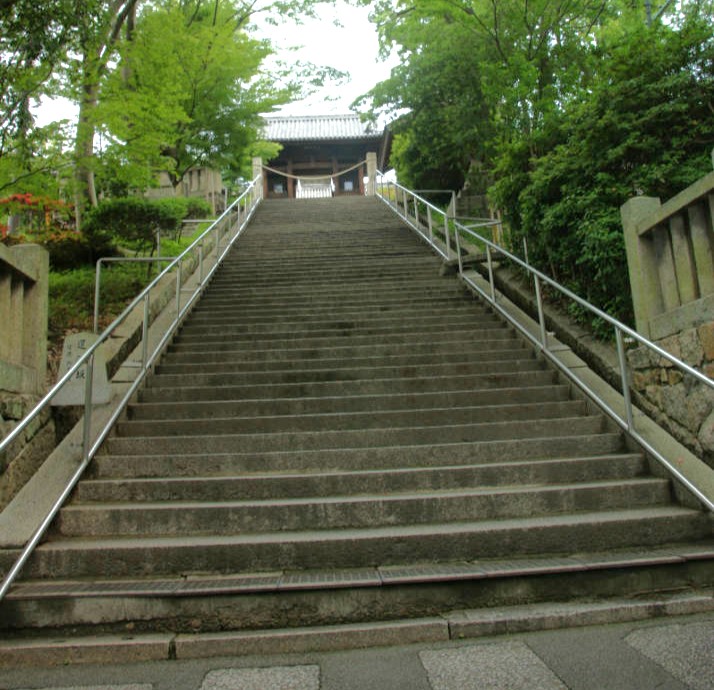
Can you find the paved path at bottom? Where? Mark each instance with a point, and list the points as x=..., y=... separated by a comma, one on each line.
x=667, y=654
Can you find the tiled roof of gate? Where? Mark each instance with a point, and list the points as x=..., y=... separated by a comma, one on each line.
x=318, y=127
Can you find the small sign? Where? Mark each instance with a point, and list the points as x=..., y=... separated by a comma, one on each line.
x=72, y=393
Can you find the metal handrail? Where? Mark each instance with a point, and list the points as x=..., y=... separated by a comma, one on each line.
x=621, y=330
x=234, y=218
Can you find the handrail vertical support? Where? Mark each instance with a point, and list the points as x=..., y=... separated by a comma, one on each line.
x=541, y=313
x=446, y=235
x=97, y=278
x=622, y=357
x=200, y=263
x=490, y=274
x=429, y=223
x=458, y=250
x=87, y=423
x=145, y=331
x=178, y=291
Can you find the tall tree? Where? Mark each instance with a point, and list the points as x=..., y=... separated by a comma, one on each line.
x=98, y=31
x=189, y=92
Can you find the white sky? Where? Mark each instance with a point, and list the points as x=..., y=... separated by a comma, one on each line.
x=351, y=48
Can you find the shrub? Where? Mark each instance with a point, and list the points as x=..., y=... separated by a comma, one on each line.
x=198, y=208
x=133, y=221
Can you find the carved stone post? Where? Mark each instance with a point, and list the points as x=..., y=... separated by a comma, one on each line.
x=371, y=173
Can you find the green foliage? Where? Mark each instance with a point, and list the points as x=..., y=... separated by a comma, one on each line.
x=71, y=295
x=188, y=92
x=438, y=88
x=645, y=129
x=570, y=108
x=133, y=221
x=197, y=208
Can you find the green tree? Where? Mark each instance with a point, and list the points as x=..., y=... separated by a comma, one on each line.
x=444, y=122
x=188, y=92
x=646, y=128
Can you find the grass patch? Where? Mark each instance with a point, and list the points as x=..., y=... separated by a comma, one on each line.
x=71, y=294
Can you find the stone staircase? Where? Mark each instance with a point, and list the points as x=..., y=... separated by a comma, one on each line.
x=337, y=434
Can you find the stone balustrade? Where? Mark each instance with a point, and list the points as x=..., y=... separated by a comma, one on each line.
x=670, y=255
x=24, y=276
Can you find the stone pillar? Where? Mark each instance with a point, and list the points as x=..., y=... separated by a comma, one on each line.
x=258, y=170
x=371, y=173
x=641, y=262
x=24, y=284
x=36, y=312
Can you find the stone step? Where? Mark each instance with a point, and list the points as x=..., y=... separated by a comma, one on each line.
x=341, y=328
x=223, y=299
x=278, y=484
x=344, y=421
x=469, y=598
x=207, y=409
x=308, y=282
x=356, y=438
x=206, y=373
x=339, y=290
x=358, y=268
x=354, y=548
x=183, y=518
x=363, y=314
x=438, y=346
x=291, y=359
x=340, y=434
x=220, y=390
x=182, y=463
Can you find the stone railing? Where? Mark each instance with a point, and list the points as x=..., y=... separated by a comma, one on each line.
x=24, y=272
x=670, y=255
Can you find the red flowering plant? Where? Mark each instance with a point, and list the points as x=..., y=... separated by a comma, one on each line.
x=46, y=221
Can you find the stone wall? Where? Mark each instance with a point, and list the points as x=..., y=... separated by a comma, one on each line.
x=679, y=403
x=24, y=274
x=670, y=255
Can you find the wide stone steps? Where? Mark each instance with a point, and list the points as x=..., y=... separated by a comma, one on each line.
x=414, y=327
x=347, y=421
x=359, y=316
x=331, y=299
x=200, y=374
x=338, y=433
x=275, y=361
x=360, y=511
x=364, y=437
x=206, y=409
x=187, y=464
x=272, y=485
x=217, y=390
x=355, y=547
x=386, y=343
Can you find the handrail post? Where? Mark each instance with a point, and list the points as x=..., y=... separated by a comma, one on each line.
x=145, y=331
x=446, y=235
x=428, y=220
x=490, y=273
x=200, y=263
x=541, y=313
x=217, y=241
x=458, y=249
x=97, y=279
x=86, y=428
x=622, y=357
x=178, y=291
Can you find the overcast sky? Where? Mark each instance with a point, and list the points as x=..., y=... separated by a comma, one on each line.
x=351, y=48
